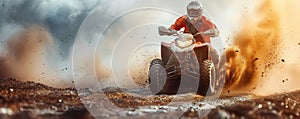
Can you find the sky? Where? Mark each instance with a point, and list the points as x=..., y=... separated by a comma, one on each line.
x=61, y=18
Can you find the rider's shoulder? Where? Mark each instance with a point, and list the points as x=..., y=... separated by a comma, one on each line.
x=184, y=17
x=205, y=18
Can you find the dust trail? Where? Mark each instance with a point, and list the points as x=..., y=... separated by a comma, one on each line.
x=255, y=48
x=101, y=70
x=25, y=57
x=284, y=76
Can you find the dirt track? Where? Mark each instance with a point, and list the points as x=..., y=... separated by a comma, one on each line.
x=29, y=100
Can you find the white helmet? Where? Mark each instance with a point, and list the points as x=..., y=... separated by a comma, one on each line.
x=194, y=9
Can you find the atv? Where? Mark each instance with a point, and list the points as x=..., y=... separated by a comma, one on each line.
x=185, y=67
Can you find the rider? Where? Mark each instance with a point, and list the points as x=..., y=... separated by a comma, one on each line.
x=198, y=25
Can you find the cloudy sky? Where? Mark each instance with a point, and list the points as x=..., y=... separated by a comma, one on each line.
x=61, y=18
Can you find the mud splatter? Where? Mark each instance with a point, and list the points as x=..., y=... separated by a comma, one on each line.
x=257, y=43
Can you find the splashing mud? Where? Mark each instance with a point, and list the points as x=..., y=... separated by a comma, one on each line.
x=31, y=100
x=254, y=49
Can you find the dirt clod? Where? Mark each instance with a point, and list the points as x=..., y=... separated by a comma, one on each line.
x=31, y=100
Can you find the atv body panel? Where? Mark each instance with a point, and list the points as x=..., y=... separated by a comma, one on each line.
x=182, y=70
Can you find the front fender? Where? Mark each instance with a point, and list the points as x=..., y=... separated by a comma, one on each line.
x=202, y=52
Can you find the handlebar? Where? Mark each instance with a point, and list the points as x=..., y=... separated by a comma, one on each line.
x=165, y=31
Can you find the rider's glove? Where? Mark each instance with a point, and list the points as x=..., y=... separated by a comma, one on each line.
x=212, y=32
x=172, y=31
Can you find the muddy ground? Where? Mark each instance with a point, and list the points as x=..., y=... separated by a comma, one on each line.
x=29, y=100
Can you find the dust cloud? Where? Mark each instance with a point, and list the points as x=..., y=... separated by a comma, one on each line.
x=25, y=57
x=284, y=77
x=263, y=58
x=102, y=71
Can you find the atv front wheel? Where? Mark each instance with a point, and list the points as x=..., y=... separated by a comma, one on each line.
x=207, y=78
x=157, y=76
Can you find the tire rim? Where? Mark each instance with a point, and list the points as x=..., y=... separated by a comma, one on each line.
x=212, y=79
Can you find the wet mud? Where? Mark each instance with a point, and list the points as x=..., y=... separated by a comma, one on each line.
x=29, y=100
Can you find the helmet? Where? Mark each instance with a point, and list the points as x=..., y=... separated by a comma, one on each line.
x=194, y=9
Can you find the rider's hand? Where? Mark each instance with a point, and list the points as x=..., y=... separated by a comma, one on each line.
x=172, y=32
x=197, y=34
x=212, y=32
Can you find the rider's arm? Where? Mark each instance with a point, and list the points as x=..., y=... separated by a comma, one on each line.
x=212, y=31
x=179, y=23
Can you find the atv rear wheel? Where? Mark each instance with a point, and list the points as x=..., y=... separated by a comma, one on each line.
x=207, y=78
x=157, y=76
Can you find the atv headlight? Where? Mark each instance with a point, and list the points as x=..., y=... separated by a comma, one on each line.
x=183, y=44
x=184, y=40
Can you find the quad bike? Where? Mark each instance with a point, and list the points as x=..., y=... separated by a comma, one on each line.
x=185, y=67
